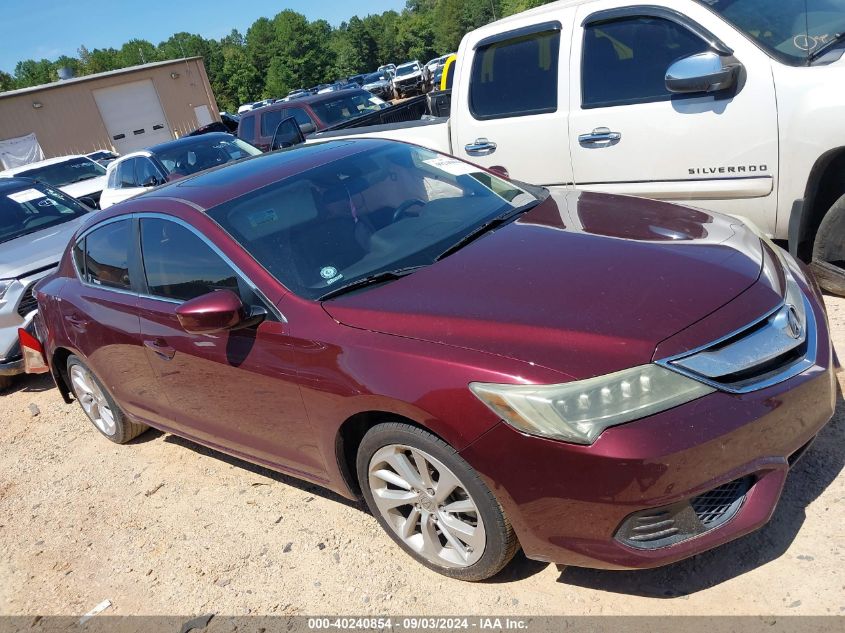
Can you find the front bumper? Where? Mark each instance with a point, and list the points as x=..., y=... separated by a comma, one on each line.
x=572, y=504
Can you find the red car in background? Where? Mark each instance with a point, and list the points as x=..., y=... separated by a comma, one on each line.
x=604, y=381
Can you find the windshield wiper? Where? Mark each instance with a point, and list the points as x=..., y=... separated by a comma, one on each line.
x=387, y=275
x=827, y=46
x=485, y=228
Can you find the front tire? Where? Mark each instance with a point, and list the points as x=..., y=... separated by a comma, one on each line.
x=97, y=403
x=828, y=263
x=433, y=504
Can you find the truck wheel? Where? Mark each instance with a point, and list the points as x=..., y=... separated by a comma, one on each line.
x=99, y=406
x=829, y=250
x=433, y=504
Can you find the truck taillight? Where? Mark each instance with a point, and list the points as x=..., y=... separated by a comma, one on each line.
x=34, y=359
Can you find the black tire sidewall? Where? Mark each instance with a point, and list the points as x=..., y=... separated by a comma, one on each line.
x=121, y=431
x=498, y=550
x=831, y=234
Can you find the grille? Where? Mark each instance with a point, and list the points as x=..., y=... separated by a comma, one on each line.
x=661, y=527
x=27, y=303
x=716, y=506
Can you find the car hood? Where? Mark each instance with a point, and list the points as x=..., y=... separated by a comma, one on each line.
x=36, y=251
x=584, y=284
x=85, y=188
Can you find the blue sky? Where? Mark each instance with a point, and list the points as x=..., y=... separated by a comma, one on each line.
x=33, y=29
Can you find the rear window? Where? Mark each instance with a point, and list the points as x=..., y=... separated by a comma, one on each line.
x=246, y=128
x=66, y=173
x=347, y=105
x=515, y=77
x=31, y=209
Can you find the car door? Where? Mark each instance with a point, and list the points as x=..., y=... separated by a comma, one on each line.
x=629, y=134
x=237, y=390
x=127, y=180
x=100, y=316
x=511, y=110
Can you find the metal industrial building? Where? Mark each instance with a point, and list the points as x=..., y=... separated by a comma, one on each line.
x=121, y=110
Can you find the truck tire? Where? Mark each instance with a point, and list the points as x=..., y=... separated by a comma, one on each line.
x=828, y=263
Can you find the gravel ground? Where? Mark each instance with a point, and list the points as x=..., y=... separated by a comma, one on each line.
x=164, y=526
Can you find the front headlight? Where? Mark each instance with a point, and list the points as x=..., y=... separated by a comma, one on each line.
x=580, y=411
x=5, y=284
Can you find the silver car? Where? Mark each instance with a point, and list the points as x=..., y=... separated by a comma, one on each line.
x=36, y=222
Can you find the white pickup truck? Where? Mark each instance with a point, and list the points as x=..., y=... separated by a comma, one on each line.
x=732, y=105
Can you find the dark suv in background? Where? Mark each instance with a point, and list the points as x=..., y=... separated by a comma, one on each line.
x=314, y=113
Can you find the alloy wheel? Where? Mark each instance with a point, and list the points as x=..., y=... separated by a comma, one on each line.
x=427, y=506
x=93, y=400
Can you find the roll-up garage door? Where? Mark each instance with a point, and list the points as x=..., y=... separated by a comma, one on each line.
x=133, y=115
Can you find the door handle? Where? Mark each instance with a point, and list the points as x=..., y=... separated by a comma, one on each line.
x=160, y=348
x=600, y=136
x=480, y=147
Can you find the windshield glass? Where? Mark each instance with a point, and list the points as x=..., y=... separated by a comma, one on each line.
x=374, y=78
x=65, y=173
x=790, y=30
x=347, y=105
x=407, y=70
x=191, y=158
x=381, y=209
x=31, y=209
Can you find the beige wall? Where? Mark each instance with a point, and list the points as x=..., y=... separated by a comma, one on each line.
x=69, y=122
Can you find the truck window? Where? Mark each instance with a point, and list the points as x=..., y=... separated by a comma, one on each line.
x=270, y=121
x=246, y=129
x=515, y=77
x=625, y=61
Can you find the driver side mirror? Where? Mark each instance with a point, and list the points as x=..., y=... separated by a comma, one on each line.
x=217, y=311
x=308, y=128
x=288, y=134
x=151, y=181
x=704, y=72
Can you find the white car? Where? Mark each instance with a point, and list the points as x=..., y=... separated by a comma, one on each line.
x=140, y=171
x=77, y=176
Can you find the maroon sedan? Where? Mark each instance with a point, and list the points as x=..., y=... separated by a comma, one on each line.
x=604, y=381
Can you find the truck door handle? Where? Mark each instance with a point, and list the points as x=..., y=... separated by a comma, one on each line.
x=600, y=136
x=161, y=348
x=480, y=147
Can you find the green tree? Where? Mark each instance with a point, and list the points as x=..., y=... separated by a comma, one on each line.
x=7, y=82
x=97, y=61
x=242, y=81
x=33, y=73
x=509, y=7
x=136, y=52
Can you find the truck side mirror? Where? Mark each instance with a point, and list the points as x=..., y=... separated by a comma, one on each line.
x=703, y=72
x=287, y=134
x=307, y=128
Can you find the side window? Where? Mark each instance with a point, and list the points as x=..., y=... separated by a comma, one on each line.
x=126, y=173
x=246, y=128
x=179, y=265
x=107, y=255
x=300, y=115
x=270, y=121
x=516, y=77
x=113, y=182
x=625, y=61
x=79, y=257
x=144, y=170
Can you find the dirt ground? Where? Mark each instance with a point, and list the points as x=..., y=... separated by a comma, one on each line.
x=164, y=526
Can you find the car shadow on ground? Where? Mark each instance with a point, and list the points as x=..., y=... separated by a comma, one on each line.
x=809, y=478
x=34, y=383
x=257, y=470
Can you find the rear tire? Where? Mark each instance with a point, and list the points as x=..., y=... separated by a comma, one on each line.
x=98, y=404
x=828, y=263
x=433, y=504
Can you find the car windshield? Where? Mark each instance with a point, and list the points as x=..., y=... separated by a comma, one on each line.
x=347, y=105
x=407, y=70
x=381, y=209
x=790, y=30
x=374, y=78
x=65, y=173
x=191, y=158
x=30, y=209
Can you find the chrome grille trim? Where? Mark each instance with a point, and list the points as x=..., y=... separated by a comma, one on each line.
x=716, y=360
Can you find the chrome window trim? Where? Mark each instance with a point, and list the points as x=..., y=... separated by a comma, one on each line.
x=799, y=367
x=169, y=218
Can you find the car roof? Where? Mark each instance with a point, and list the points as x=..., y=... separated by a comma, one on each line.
x=188, y=140
x=221, y=184
x=10, y=184
x=41, y=163
x=310, y=99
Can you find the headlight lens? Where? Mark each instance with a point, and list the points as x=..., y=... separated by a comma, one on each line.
x=580, y=411
x=5, y=284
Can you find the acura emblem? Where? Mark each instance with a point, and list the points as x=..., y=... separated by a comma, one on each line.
x=793, y=323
